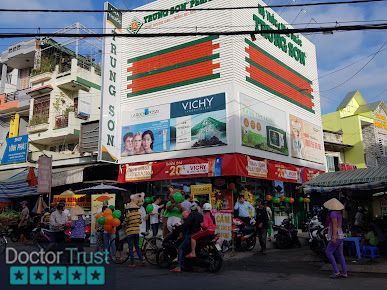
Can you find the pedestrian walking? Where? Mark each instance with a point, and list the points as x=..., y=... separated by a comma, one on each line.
x=262, y=221
x=335, y=237
x=24, y=220
x=78, y=227
x=133, y=223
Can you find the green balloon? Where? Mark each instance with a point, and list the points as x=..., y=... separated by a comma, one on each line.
x=178, y=197
x=300, y=199
x=148, y=199
x=276, y=200
x=287, y=199
x=102, y=220
x=111, y=207
x=149, y=208
x=117, y=214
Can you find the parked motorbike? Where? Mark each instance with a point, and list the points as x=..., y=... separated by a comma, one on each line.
x=243, y=236
x=286, y=236
x=207, y=252
x=317, y=236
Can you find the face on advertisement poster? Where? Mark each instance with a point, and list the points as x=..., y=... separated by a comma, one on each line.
x=263, y=126
x=145, y=138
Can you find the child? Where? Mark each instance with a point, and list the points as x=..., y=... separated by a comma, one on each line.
x=208, y=228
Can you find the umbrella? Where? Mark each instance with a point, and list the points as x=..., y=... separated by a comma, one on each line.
x=77, y=210
x=101, y=189
x=68, y=192
x=40, y=206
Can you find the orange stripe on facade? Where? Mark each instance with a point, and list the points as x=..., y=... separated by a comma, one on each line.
x=173, y=76
x=172, y=58
x=278, y=86
x=276, y=68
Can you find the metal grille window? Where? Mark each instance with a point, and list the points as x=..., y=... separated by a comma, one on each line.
x=42, y=107
x=330, y=163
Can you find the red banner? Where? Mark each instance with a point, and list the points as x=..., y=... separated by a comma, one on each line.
x=223, y=165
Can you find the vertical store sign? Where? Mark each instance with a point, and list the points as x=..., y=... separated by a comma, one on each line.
x=44, y=174
x=110, y=86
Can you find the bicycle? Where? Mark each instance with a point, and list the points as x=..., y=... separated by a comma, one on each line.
x=119, y=252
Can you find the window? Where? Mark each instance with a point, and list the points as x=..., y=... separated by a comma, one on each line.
x=42, y=108
x=330, y=163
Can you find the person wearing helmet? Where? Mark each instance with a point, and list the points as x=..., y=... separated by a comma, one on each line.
x=58, y=220
x=208, y=228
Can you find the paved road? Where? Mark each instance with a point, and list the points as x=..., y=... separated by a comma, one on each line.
x=290, y=269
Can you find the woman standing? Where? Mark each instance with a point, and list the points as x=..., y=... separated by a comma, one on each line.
x=147, y=141
x=335, y=237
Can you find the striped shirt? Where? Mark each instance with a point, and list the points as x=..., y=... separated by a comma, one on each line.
x=133, y=222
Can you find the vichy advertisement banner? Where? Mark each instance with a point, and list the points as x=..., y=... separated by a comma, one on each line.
x=263, y=127
x=188, y=124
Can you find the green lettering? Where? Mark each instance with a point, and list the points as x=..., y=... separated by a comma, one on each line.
x=112, y=90
x=112, y=76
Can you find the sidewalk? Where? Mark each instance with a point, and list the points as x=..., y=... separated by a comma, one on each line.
x=378, y=266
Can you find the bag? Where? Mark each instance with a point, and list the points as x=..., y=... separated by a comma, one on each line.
x=121, y=234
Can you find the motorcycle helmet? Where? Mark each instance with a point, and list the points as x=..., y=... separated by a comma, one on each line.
x=207, y=206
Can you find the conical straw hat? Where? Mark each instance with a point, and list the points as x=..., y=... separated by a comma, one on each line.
x=77, y=210
x=333, y=204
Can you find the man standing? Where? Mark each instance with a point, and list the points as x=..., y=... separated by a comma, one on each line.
x=243, y=206
x=154, y=216
x=262, y=220
x=270, y=222
x=58, y=220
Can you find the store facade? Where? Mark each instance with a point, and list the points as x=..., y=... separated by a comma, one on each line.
x=231, y=111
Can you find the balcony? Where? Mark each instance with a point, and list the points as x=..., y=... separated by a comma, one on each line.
x=38, y=123
x=63, y=126
x=38, y=78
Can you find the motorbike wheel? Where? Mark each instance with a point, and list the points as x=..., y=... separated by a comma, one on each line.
x=251, y=242
x=163, y=259
x=215, y=261
x=118, y=253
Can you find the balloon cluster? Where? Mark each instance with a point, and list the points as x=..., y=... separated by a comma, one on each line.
x=178, y=197
x=277, y=200
x=109, y=218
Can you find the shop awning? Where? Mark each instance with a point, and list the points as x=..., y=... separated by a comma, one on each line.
x=16, y=185
x=368, y=179
x=40, y=90
x=67, y=175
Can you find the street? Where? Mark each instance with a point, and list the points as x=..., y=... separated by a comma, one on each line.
x=287, y=269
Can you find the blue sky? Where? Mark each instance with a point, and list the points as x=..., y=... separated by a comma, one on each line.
x=339, y=56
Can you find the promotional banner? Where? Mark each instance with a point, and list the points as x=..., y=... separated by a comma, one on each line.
x=263, y=126
x=188, y=124
x=16, y=150
x=256, y=168
x=306, y=140
x=97, y=201
x=71, y=201
x=224, y=225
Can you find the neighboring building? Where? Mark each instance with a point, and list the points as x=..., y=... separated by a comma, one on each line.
x=335, y=151
x=48, y=89
x=364, y=127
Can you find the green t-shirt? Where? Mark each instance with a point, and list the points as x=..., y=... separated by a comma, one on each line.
x=372, y=239
x=175, y=212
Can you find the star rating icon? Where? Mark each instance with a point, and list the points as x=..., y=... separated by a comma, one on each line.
x=38, y=276
x=58, y=275
x=18, y=275
x=76, y=275
x=95, y=275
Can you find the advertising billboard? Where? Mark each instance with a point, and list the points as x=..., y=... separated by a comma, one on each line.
x=263, y=126
x=306, y=140
x=188, y=124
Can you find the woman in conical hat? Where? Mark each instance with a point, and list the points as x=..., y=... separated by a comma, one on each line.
x=335, y=237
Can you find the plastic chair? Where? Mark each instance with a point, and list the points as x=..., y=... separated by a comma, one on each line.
x=371, y=252
x=356, y=241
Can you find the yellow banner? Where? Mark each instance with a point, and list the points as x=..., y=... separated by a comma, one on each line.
x=201, y=189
